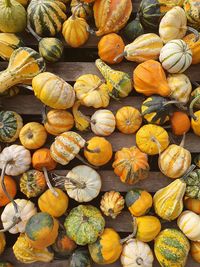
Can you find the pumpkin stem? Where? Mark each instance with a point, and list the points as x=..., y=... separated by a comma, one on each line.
x=171, y=102
x=30, y=30
x=191, y=168
x=85, y=162
x=8, y=3
x=183, y=141
x=60, y=180
x=196, y=33
x=124, y=240
x=74, y=11
x=53, y=191
x=119, y=56
x=191, y=107
x=153, y=139
x=139, y=261
x=96, y=150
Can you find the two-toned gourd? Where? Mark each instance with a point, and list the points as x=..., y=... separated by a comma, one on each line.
x=191, y=8
x=8, y=43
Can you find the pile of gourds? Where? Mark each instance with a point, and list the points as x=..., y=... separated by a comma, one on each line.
x=49, y=229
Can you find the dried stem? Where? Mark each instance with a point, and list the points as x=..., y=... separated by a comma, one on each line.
x=53, y=191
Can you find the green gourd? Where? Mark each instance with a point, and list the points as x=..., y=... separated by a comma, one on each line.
x=193, y=184
x=133, y=29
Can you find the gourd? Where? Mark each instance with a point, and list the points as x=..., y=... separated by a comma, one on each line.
x=131, y=165
x=42, y=160
x=53, y=91
x=41, y=230
x=194, y=45
x=25, y=253
x=192, y=204
x=136, y=253
x=128, y=119
x=111, y=46
x=195, y=249
x=12, y=17
x=175, y=56
x=51, y=49
x=152, y=139
x=180, y=123
x=32, y=183
x=193, y=184
x=195, y=115
x=8, y=43
x=81, y=9
x=58, y=121
x=24, y=64
x=11, y=124
x=119, y=82
x=192, y=11
x=98, y=151
x=133, y=29
x=112, y=203
x=40, y=17
x=82, y=122
x=103, y=122
x=80, y=258
x=111, y=16
x=189, y=222
x=149, y=78
x=138, y=202
x=92, y=91
x=171, y=248
x=2, y=242
x=84, y=224
x=33, y=135
x=11, y=188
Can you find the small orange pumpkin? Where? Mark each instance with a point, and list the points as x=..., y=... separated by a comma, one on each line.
x=194, y=45
x=42, y=159
x=180, y=123
x=192, y=204
x=195, y=251
x=11, y=189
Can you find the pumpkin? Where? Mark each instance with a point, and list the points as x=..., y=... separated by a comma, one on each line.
x=2, y=242
x=192, y=11
x=24, y=64
x=103, y=122
x=42, y=159
x=131, y=165
x=80, y=258
x=8, y=43
x=12, y=16
x=171, y=248
x=119, y=82
x=5, y=264
x=33, y=135
x=111, y=16
x=152, y=139
x=53, y=91
x=195, y=251
x=41, y=230
x=81, y=9
x=133, y=29
x=112, y=203
x=138, y=202
x=180, y=123
x=10, y=126
x=180, y=87
x=136, y=253
x=175, y=56
x=111, y=46
x=46, y=17
x=84, y=224
x=194, y=45
x=98, y=151
x=11, y=188
x=14, y=218
x=91, y=91
x=192, y=204
x=128, y=119
x=82, y=122
x=58, y=121
x=25, y=253
x=193, y=184
x=149, y=78
x=51, y=49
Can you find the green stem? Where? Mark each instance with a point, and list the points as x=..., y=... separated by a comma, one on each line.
x=37, y=37
x=96, y=150
x=192, y=105
x=191, y=168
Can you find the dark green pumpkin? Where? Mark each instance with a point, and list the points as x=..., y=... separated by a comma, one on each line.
x=193, y=184
x=5, y=264
x=82, y=11
x=80, y=258
x=133, y=30
x=51, y=49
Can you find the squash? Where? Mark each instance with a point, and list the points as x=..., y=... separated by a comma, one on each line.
x=81, y=9
x=46, y=17
x=41, y=230
x=2, y=242
x=152, y=139
x=128, y=119
x=175, y=56
x=149, y=78
x=189, y=222
x=11, y=188
x=58, y=121
x=112, y=203
x=84, y=224
x=180, y=123
x=51, y=49
x=25, y=253
x=10, y=126
x=192, y=204
x=193, y=184
x=138, y=202
x=53, y=91
x=111, y=16
x=12, y=17
x=133, y=29
x=82, y=122
x=171, y=248
x=103, y=122
x=192, y=11
x=111, y=46
x=33, y=135
x=98, y=151
x=24, y=64
x=119, y=82
x=195, y=251
x=91, y=91
x=8, y=43
x=131, y=165
x=42, y=159
x=32, y=183
x=136, y=253
x=80, y=258
x=194, y=45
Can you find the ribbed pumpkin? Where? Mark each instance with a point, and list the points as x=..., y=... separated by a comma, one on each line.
x=171, y=248
x=195, y=251
x=192, y=204
x=2, y=242
x=194, y=45
x=51, y=49
x=111, y=16
x=81, y=9
x=8, y=43
x=131, y=165
x=192, y=11
x=193, y=184
x=11, y=188
x=53, y=91
x=46, y=16
x=180, y=123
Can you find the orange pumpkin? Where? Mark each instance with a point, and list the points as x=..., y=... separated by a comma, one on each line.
x=192, y=204
x=42, y=159
x=11, y=189
x=180, y=123
x=195, y=251
x=190, y=39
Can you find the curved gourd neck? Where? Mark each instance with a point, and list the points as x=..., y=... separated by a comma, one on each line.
x=7, y=3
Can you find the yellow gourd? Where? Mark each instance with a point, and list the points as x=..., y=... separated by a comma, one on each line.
x=82, y=122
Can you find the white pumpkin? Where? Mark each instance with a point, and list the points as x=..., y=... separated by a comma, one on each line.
x=189, y=223
x=103, y=122
x=136, y=253
x=173, y=25
x=17, y=158
x=26, y=210
x=176, y=56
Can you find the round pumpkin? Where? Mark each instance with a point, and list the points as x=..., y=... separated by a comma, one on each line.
x=180, y=123
x=80, y=258
x=195, y=251
x=2, y=242
x=194, y=45
x=42, y=159
x=11, y=188
x=51, y=49
x=192, y=204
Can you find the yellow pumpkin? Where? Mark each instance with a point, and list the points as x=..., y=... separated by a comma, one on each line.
x=195, y=251
x=192, y=204
x=194, y=46
x=2, y=242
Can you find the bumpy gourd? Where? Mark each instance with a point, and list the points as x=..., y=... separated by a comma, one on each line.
x=192, y=11
x=193, y=184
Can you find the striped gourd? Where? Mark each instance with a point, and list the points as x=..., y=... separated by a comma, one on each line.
x=192, y=10
x=176, y=56
x=46, y=16
x=81, y=9
x=8, y=43
x=10, y=126
x=171, y=248
x=51, y=49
